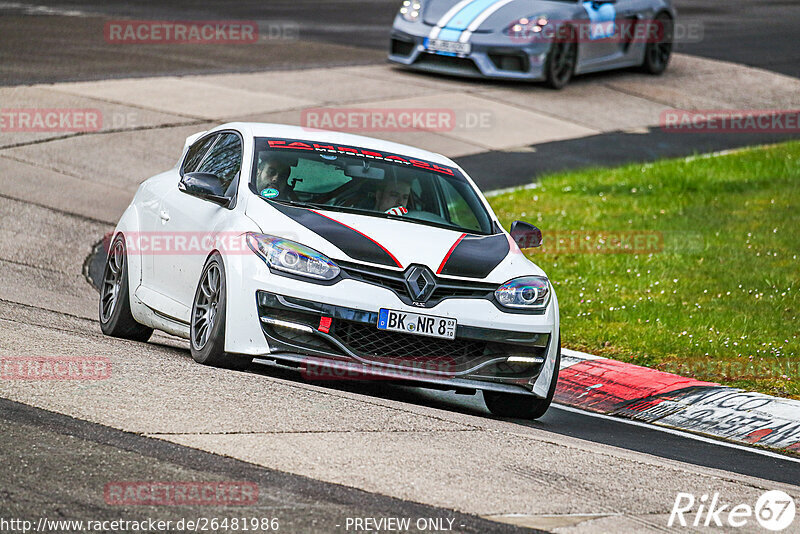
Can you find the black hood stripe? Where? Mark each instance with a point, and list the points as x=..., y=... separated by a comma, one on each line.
x=355, y=244
x=475, y=256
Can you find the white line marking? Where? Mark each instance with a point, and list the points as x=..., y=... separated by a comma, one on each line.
x=680, y=433
x=466, y=34
x=582, y=355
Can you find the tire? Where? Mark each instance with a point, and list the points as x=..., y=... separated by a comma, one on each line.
x=657, y=54
x=116, y=319
x=522, y=406
x=207, y=326
x=559, y=67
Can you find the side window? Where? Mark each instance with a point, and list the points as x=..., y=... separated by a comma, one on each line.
x=196, y=153
x=224, y=159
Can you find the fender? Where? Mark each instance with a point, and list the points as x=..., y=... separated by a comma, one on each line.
x=243, y=333
x=549, y=371
x=130, y=224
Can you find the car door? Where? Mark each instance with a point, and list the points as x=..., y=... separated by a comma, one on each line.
x=600, y=38
x=187, y=219
x=154, y=222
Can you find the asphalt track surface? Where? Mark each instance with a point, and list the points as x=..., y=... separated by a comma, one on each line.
x=50, y=462
x=64, y=40
x=39, y=480
x=46, y=42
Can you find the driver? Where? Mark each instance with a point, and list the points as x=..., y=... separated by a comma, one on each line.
x=393, y=196
x=273, y=175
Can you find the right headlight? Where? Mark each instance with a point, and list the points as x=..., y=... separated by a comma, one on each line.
x=526, y=293
x=288, y=256
x=411, y=10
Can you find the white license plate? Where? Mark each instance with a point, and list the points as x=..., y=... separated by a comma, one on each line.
x=415, y=323
x=437, y=45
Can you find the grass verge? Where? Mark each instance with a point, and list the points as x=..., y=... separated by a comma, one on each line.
x=691, y=266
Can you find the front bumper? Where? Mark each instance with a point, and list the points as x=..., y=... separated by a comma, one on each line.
x=356, y=303
x=337, y=341
x=493, y=55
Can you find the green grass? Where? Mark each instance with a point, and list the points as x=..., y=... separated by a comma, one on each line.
x=717, y=298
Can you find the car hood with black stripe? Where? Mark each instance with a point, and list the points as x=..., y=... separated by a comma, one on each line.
x=394, y=244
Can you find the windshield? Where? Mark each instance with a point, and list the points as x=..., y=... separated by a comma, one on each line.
x=351, y=179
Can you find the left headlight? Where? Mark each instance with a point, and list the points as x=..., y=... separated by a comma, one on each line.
x=291, y=257
x=527, y=293
x=411, y=10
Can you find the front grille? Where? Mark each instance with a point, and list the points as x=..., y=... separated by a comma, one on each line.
x=387, y=278
x=369, y=342
x=395, y=281
x=455, y=65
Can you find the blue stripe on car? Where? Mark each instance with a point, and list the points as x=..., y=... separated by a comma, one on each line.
x=464, y=18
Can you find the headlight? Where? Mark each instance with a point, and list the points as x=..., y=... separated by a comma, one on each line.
x=288, y=256
x=411, y=10
x=527, y=26
x=527, y=293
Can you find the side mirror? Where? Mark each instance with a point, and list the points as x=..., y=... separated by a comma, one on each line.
x=206, y=186
x=526, y=235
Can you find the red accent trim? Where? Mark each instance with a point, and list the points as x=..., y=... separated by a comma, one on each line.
x=325, y=324
x=363, y=234
x=447, y=257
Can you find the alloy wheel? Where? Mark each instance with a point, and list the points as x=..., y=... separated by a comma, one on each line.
x=205, y=309
x=112, y=281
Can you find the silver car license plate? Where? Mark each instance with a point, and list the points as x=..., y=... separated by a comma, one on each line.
x=450, y=47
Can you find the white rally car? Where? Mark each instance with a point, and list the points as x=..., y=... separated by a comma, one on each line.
x=336, y=253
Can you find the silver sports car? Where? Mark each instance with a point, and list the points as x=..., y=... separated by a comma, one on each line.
x=534, y=40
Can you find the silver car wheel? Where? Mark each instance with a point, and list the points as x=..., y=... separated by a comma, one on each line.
x=205, y=308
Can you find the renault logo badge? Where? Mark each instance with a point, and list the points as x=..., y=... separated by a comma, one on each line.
x=420, y=283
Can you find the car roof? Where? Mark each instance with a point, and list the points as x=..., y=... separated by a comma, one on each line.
x=285, y=131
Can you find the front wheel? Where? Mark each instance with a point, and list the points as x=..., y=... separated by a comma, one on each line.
x=207, y=328
x=116, y=318
x=523, y=406
x=559, y=67
x=658, y=52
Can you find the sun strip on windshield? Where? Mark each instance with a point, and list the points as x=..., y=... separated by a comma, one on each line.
x=345, y=150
